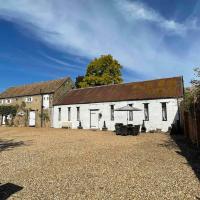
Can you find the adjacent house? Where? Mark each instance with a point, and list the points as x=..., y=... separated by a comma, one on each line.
x=34, y=102
x=158, y=102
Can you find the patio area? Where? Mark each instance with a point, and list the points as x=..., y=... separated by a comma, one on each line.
x=81, y=164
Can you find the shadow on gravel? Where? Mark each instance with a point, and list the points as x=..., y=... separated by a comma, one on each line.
x=9, y=144
x=187, y=150
x=8, y=189
x=191, y=153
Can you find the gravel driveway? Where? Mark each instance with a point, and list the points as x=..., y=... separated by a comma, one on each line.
x=80, y=164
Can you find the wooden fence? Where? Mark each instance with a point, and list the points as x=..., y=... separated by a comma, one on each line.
x=190, y=123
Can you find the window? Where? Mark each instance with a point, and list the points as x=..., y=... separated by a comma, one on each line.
x=130, y=113
x=112, y=112
x=29, y=99
x=164, y=111
x=146, y=111
x=1, y=101
x=69, y=113
x=59, y=114
x=8, y=101
x=78, y=113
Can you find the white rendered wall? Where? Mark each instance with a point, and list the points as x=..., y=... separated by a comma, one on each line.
x=155, y=114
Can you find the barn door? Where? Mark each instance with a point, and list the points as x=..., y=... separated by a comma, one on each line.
x=94, y=120
x=32, y=118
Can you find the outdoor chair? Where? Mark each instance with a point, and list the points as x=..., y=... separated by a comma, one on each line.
x=136, y=130
x=130, y=125
x=118, y=128
x=124, y=130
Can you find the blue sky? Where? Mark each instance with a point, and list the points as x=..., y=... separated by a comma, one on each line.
x=48, y=39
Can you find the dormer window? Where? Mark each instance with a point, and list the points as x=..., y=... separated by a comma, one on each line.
x=29, y=99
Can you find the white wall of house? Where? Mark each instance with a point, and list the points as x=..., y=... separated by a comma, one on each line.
x=155, y=114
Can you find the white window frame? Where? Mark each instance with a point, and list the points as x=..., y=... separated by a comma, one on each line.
x=59, y=114
x=146, y=111
x=69, y=113
x=8, y=101
x=112, y=115
x=130, y=113
x=29, y=99
x=46, y=101
x=164, y=111
x=78, y=113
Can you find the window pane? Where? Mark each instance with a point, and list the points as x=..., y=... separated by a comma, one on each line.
x=59, y=114
x=164, y=111
x=69, y=114
x=146, y=111
x=112, y=112
x=130, y=113
x=78, y=113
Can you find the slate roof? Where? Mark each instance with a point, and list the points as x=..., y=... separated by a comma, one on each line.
x=152, y=89
x=33, y=89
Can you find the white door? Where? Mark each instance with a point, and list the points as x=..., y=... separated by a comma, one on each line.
x=3, y=120
x=94, y=121
x=32, y=118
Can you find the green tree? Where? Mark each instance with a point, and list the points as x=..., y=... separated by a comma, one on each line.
x=102, y=71
x=79, y=79
x=196, y=82
x=8, y=110
x=192, y=94
x=188, y=99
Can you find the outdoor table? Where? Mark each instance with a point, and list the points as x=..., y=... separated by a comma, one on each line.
x=126, y=129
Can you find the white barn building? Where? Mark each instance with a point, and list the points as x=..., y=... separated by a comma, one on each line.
x=158, y=101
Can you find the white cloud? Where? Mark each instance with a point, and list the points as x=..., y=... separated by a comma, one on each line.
x=139, y=11
x=90, y=28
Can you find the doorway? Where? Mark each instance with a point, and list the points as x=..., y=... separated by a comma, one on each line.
x=32, y=118
x=94, y=119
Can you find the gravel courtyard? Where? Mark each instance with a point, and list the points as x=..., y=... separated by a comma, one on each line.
x=80, y=164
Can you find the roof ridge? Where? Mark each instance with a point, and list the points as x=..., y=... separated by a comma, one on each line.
x=91, y=87
x=49, y=86
x=40, y=82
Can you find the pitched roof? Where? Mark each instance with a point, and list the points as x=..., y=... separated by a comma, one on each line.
x=153, y=89
x=34, y=89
